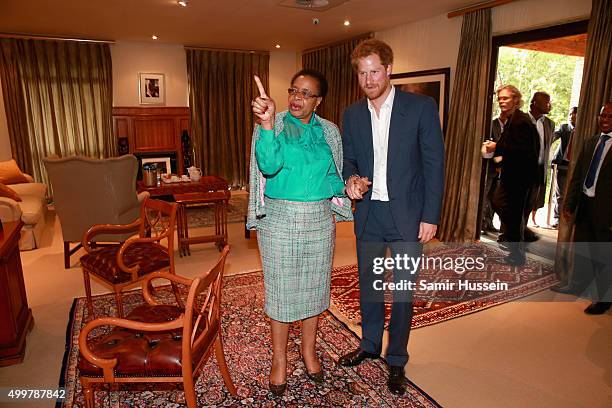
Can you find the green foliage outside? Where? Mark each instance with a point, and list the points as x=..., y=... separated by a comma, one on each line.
x=532, y=71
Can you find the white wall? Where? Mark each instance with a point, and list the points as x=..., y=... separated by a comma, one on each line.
x=130, y=58
x=282, y=67
x=529, y=14
x=5, y=143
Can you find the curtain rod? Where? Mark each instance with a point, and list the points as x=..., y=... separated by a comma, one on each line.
x=359, y=37
x=42, y=37
x=476, y=7
x=191, y=47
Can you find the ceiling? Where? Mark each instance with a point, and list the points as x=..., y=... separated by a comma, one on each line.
x=238, y=24
x=571, y=45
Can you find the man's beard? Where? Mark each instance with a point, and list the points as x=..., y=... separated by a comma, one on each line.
x=375, y=93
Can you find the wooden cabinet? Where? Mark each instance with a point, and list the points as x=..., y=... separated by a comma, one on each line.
x=152, y=130
x=15, y=317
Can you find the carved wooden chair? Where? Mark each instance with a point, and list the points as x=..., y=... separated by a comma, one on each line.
x=124, y=265
x=159, y=342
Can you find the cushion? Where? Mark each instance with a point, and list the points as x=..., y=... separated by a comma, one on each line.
x=9, y=193
x=144, y=353
x=10, y=173
x=38, y=190
x=103, y=262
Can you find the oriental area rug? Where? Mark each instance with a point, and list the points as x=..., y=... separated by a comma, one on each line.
x=248, y=352
x=446, y=299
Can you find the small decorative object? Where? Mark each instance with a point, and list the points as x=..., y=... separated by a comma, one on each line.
x=123, y=146
x=432, y=82
x=152, y=89
x=194, y=173
x=149, y=174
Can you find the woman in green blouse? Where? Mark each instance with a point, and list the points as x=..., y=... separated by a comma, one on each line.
x=295, y=190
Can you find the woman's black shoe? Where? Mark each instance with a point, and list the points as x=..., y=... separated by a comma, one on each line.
x=278, y=389
x=316, y=377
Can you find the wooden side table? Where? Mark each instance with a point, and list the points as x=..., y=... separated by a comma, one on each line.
x=219, y=199
x=15, y=317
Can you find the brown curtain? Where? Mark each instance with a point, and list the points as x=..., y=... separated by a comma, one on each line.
x=596, y=90
x=466, y=129
x=334, y=62
x=58, y=98
x=221, y=87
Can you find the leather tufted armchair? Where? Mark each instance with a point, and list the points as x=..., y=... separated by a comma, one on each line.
x=159, y=343
x=123, y=265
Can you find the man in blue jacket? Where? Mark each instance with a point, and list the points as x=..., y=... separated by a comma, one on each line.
x=394, y=167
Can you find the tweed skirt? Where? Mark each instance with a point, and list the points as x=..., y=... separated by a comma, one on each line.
x=296, y=243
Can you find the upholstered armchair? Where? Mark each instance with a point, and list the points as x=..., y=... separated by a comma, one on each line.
x=159, y=342
x=91, y=191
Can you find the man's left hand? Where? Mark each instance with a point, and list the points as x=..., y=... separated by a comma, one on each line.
x=426, y=232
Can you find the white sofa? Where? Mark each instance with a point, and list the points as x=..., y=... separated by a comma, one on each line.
x=32, y=210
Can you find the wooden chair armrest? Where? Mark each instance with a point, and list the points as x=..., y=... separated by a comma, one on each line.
x=134, y=270
x=107, y=229
x=107, y=364
x=146, y=284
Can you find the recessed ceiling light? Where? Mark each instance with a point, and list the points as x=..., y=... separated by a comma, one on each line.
x=347, y=23
x=154, y=37
x=182, y=3
x=277, y=45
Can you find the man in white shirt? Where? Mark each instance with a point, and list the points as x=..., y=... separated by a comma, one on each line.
x=538, y=109
x=392, y=142
x=589, y=198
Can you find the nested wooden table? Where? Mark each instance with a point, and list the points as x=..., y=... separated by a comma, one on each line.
x=218, y=199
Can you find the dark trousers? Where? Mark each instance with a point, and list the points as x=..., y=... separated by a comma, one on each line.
x=487, y=206
x=511, y=202
x=592, y=253
x=559, y=187
x=379, y=235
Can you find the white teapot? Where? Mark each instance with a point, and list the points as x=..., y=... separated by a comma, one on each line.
x=194, y=173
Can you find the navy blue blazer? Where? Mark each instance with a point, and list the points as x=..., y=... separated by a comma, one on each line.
x=415, y=161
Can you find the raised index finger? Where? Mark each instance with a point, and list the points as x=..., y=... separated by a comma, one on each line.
x=262, y=91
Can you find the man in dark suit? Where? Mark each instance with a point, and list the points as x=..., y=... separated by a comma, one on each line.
x=589, y=198
x=538, y=109
x=393, y=143
x=561, y=158
x=517, y=150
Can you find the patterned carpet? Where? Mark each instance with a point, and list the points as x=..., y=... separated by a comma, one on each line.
x=436, y=306
x=247, y=349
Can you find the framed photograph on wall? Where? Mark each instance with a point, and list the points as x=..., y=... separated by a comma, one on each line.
x=431, y=82
x=151, y=89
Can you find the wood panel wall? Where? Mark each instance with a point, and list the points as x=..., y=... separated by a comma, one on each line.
x=152, y=129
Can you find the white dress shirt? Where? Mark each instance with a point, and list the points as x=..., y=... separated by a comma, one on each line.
x=380, y=143
x=539, y=124
x=591, y=191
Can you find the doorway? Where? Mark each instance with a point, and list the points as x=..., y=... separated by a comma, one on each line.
x=546, y=60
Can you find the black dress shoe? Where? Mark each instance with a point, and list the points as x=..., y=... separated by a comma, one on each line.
x=397, y=380
x=565, y=289
x=515, y=260
x=317, y=377
x=356, y=357
x=597, y=308
x=530, y=236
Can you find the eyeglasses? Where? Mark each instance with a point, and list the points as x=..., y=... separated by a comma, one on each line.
x=304, y=93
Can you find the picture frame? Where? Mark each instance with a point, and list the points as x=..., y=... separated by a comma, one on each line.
x=162, y=163
x=432, y=82
x=151, y=88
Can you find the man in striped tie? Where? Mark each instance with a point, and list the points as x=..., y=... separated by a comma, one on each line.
x=589, y=198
